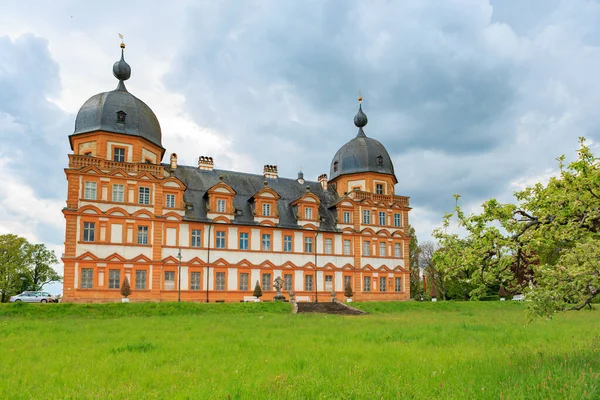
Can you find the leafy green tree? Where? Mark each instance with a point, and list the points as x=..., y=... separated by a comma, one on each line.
x=39, y=271
x=257, y=290
x=14, y=258
x=547, y=245
x=413, y=260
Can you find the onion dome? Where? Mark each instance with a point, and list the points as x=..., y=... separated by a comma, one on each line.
x=361, y=154
x=119, y=111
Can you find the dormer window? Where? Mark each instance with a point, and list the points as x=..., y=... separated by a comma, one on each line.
x=221, y=206
x=121, y=117
x=335, y=166
x=379, y=161
x=266, y=210
x=308, y=213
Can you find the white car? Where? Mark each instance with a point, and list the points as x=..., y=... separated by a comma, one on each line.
x=33, y=297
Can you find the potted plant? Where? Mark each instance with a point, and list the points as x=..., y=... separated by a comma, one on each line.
x=125, y=290
x=257, y=291
x=348, y=292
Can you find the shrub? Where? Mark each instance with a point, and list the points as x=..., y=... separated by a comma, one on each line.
x=348, y=290
x=125, y=288
x=257, y=290
x=493, y=297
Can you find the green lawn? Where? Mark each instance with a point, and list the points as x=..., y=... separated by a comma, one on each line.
x=261, y=350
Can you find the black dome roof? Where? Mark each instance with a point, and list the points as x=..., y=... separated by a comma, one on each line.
x=361, y=154
x=119, y=111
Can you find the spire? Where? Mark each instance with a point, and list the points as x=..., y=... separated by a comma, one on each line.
x=360, y=119
x=121, y=70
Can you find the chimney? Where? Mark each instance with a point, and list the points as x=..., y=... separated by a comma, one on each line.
x=206, y=163
x=173, y=161
x=323, y=181
x=270, y=171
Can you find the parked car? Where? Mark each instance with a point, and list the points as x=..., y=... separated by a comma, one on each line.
x=34, y=297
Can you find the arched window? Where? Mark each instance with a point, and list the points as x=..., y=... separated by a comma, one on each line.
x=121, y=117
x=335, y=166
x=379, y=160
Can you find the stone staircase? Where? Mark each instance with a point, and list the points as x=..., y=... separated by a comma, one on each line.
x=327, y=308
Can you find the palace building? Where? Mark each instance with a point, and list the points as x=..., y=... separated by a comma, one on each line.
x=207, y=234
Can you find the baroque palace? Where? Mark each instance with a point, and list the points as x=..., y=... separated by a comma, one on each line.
x=206, y=234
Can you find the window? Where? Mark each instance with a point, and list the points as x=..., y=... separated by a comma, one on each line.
x=118, y=193
x=144, y=195
x=170, y=202
x=196, y=238
x=366, y=217
x=329, y=283
x=243, y=241
x=379, y=188
x=347, y=281
x=244, y=281
x=195, y=281
x=114, y=279
x=220, y=240
x=119, y=154
x=367, y=284
x=89, y=192
x=382, y=282
x=308, y=245
x=221, y=206
x=87, y=277
x=379, y=160
x=308, y=213
x=89, y=229
x=398, y=284
x=169, y=280
x=220, y=280
x=287, y=243
x=287, y=282
x=366, y=248
x=382, y=249
x=381, y=218
x=346, y=247
x=328, y=246
x=142, y=235
x=266, y=210
x=346, y=217
x=266, y=282
x=397, y=221
x=335, y=166
x=308, y=282
x=397, y=250
x=140, y=280
x=266, y=242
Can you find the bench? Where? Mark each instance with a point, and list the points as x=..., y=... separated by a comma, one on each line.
x=300, y=299
x=251, y=299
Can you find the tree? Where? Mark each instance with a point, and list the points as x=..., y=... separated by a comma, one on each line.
x=348, y=290
x=435, y=276
x=40, y=271
x=14, y=258
x=24, y=266
x=413, y=260
x=551, y=237
x=125, y=288
x=257, y=290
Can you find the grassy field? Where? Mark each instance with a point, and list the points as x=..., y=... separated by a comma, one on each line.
x=262, y=351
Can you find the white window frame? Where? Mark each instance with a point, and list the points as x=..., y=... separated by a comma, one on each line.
x=244, y=240
x=366, y=217
x=382, y=249
x=346, y=217
x=143, y=233
x=287, y=243
x=140, y=279
x=366, y=283
x=287, y=282
x=366, y=248
x=144, y=195
x=382, y=284
x=308, y=245
x=220, y=281
x=220, y=241
x=382, y=218
x=118, y=193
x=115, y=155
x=221, y=205
x=308, y=213
x=266, y=210
x=87, y=278
x=244, y=283
x=265, y=242
x=308, y=283
x=328, y=283
x=265, y=279
x=90, y=190
x=397, y=250
x=89, y=231
x=170, y=200
x=328, y=246
x=347, y=247
x=169, y=277
x=398, y=284
x=114, y=279
x=196, y=238
x=397, y=220
x=195, y=279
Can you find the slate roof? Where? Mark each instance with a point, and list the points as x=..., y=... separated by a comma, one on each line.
x=247, y=185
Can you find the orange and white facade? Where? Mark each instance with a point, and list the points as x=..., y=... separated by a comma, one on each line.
x=209, y=235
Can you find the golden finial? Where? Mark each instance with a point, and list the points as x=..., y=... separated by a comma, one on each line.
x=359, y=97
x=122, y=43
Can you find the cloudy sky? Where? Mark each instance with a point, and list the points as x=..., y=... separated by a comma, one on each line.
x=469, y=96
